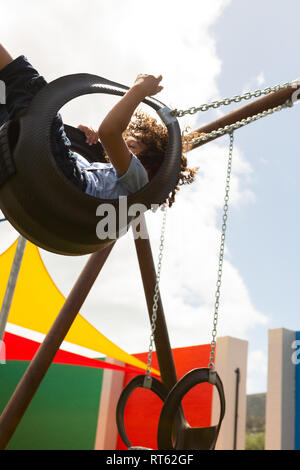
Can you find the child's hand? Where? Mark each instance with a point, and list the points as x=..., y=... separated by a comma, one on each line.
x=149, y=84
x=90, y=134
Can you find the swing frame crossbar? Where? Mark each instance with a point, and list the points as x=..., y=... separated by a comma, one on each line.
x=277, y=100
x=29, y=384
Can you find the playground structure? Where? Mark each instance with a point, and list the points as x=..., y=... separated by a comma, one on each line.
x=76, y=395
x=186, y=437
x=33, y=299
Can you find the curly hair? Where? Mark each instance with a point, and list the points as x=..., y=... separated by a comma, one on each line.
x=154, y=136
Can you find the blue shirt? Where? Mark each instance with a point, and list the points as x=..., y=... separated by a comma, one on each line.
x=104, y=182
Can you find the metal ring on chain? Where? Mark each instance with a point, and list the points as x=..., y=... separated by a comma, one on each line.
x=189, y=438
x=138, y=382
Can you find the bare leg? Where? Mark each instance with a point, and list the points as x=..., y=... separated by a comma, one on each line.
x=5, y=57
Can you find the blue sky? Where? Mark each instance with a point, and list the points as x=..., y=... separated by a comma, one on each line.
x=254, y=38
x=209, y=50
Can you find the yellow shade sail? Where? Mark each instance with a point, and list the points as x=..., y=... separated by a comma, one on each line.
x=37, y=302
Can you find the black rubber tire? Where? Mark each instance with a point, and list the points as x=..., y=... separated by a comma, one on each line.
x=138, y=382
x=172, y=403
x=93, y=153
x=41, y=203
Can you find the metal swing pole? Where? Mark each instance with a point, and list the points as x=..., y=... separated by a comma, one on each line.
x=38, y=367
x=161, y=339
x=11, y=285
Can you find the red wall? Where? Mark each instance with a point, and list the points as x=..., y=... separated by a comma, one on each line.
x=143, y=407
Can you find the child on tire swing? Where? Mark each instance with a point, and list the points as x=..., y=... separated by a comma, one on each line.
x=134, y=148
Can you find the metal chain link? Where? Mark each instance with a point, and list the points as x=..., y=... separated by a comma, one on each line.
x=235, y=99
x=221, y=131
x=232, y=127
x=211, y=364
x=229, y=129
x=148, y=379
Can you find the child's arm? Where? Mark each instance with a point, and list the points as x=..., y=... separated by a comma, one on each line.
x=5, y=57
x=117, y=120
x=91, y=136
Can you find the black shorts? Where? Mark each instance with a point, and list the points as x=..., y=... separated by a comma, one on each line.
x=22, y=83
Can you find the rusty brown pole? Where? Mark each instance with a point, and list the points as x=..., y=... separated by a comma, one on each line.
x=257, y=106
x=36, y=371
x=161, y=336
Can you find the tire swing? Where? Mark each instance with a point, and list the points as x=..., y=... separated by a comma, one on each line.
x=155, y=386
x=36, y=197
x=187, y=437
x=171, y=417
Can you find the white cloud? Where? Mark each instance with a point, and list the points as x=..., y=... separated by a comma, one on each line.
x=257, y=371
x=119, y=40
x=260, y=79
x=254, y=82
x=7, y=234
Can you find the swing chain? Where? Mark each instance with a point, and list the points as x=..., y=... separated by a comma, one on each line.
x=211, y=364
x=243, y=122
x=148, y=379
x=235, y=99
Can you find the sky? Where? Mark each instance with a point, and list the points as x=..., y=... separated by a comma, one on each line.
x=205, y=50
